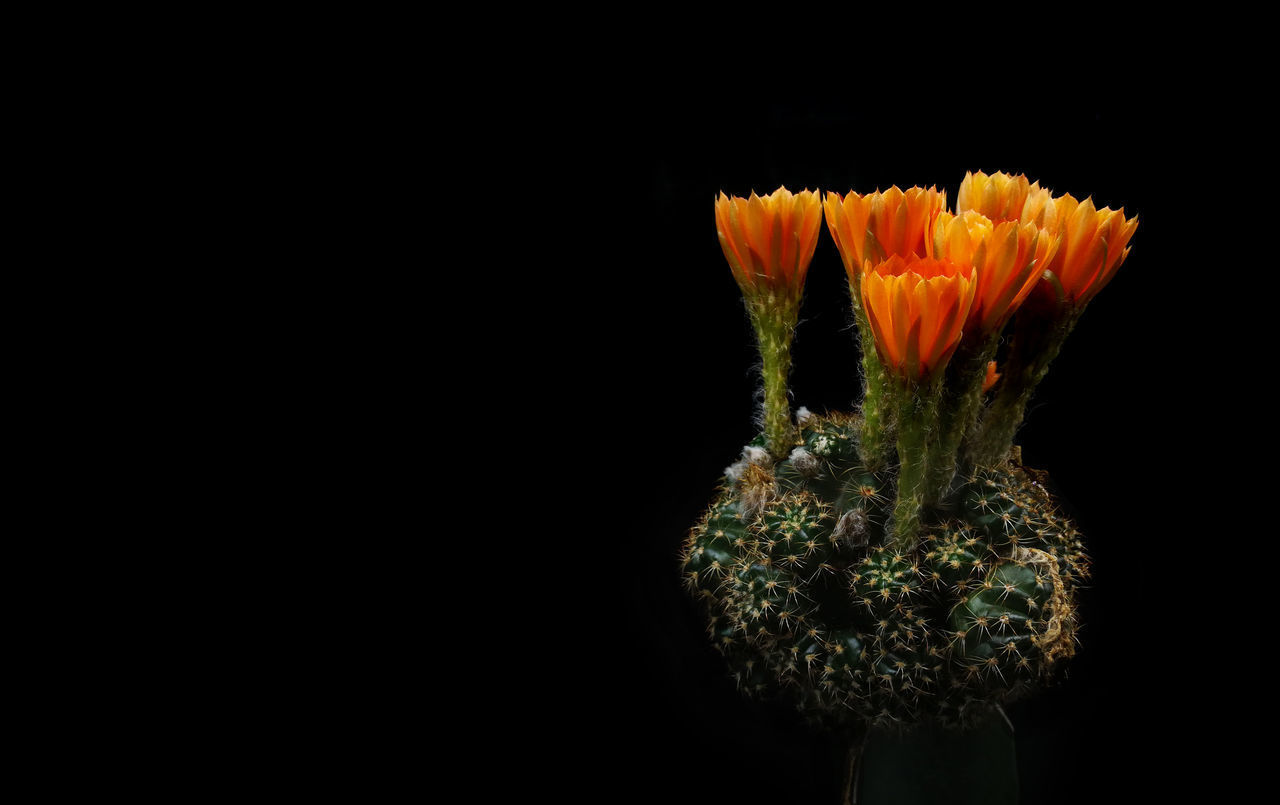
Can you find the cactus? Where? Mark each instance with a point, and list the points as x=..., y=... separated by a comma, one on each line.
x=809, y=601
x=899, y=566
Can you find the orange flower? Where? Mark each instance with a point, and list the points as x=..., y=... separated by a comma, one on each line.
x=769, y=240
x=1008, y=258
x=1039, y=209
x=1093, y=245
x=992, y=377
x=916, y=308
x=958, y=238
x=1000, y=197
x=879, y=225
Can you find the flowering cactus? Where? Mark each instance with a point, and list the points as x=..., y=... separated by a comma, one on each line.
x=899, y=565
x=769, y=242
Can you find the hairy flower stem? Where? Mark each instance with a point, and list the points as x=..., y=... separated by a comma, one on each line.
x=917, y=413
x=1037, y=340
x=876, y=426
x=958, y=411
x=775, y=326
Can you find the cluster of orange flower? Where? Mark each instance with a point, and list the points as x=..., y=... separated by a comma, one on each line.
x=924, y=275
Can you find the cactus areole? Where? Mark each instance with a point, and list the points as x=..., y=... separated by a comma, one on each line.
x=898, y=566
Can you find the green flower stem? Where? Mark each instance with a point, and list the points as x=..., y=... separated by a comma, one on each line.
x=877, y=431
x=774, y=323
x=958, y=412
x=1037, y=340
x=917, y=415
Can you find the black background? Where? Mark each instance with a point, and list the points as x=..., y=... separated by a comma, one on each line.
x=666, y=388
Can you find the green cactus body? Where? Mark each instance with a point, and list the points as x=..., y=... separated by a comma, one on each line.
x=809, y=599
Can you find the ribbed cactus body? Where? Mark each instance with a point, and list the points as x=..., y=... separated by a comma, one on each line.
x=808, y=601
